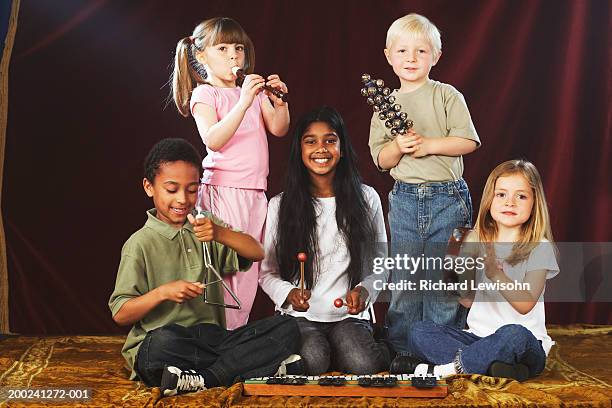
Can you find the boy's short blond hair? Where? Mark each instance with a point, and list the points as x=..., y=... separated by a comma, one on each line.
x=417, y=25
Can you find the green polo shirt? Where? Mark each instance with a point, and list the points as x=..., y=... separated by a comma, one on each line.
x=157, y=254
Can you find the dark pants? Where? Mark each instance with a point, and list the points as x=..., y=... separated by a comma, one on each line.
x=511, y=344
x=254, y=350
x=347, y=346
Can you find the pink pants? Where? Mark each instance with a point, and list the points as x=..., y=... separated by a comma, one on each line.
x=245, y=210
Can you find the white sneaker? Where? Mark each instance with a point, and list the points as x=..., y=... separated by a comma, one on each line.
x=292, y=365
x=175, y=381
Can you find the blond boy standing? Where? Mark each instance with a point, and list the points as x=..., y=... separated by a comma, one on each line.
x=429, y=198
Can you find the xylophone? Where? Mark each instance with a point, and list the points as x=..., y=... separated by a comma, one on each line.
x=400, y=385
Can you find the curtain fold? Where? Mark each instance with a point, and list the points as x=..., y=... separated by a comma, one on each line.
x=4, y=73
x=88, y=100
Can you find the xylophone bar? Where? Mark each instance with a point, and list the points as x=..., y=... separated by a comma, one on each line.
x=349, y=386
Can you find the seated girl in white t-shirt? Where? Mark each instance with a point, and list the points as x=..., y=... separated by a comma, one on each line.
x=326, y=212
x=507, y=333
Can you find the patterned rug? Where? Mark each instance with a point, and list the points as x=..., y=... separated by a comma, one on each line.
x=578, y=374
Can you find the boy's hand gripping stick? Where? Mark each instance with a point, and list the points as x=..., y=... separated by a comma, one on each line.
x=209, y=266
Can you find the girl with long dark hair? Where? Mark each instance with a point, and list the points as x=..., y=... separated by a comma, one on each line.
x=326, y=212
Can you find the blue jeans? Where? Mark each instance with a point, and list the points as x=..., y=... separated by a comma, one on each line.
x=347, y=346
x=221, y=356
x=511, y=344
x=422, y=218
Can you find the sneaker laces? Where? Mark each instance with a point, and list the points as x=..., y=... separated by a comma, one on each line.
x=282, y=368
x=190, y=381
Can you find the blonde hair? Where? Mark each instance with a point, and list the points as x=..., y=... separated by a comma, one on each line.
x=418, y=26
x=535, y=229
x=188, y=72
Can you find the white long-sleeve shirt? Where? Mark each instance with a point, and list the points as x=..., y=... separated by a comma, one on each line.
x=334, y=258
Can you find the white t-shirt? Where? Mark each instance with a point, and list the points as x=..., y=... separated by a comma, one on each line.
x=334, y=259
x=491, y=310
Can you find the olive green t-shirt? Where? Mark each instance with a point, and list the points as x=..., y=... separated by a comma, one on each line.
x=437, y=110
x=157, y=254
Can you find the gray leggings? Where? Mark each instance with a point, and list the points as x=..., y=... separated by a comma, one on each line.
x=347, y=346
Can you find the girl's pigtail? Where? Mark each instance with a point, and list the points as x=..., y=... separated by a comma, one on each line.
x=188, y=72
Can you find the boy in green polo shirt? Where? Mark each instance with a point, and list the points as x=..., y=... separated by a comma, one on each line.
x=177, y=340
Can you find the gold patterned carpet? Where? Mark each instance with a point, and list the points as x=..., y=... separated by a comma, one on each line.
x=578, y=374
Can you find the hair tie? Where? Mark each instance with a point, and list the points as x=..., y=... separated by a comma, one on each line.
x=197, y=67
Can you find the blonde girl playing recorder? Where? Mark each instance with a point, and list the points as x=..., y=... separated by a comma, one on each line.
x=232, y=118
x=507, y=333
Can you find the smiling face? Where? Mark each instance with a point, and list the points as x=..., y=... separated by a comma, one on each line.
x=320, y=150
x=219, y=60
x=411, y=57
x=174, y=191
x=512, y=202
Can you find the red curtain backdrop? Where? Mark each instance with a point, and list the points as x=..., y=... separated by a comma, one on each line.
x=88, y=92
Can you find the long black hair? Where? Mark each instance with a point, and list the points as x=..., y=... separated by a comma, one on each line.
x=297, y=222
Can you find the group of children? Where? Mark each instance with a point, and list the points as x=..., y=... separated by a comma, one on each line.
x=181, y=342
